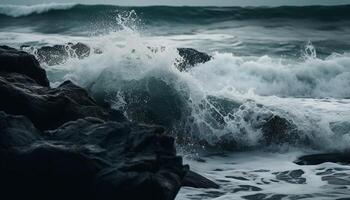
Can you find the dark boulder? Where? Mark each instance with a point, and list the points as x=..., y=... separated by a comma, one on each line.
x=191, y=57
x=17, y=131
x=93, y=159
x=46, y=107
x=315, y=159
x=144, y=161
x=278, y=130
x=47, y=171
x=192, y=179
x=58, y=54
x=14, y=61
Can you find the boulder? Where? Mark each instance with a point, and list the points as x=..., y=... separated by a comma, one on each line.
x=315, y=159
x=191, y=57
x=58, y=54
x=278, y=130
x=17, y=131
x=46, y=107
x=14, y=61
x=143, y=158
x=47, y=171
x=91, y=159
x=195, y=180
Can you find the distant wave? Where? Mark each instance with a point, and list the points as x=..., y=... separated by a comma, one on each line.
x=183, y=14
x=22, y=10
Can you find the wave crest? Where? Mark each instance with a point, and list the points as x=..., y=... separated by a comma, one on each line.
x=23, y=10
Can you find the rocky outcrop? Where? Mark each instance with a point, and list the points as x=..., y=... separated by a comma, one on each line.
x=13, y=61
x=192, y=179
x=58, y=54
x=315, y=159
x=73, y=150
x=91, y=158
x=16, y=131
x=48, y=108
x=278, y=130
x=191, y=57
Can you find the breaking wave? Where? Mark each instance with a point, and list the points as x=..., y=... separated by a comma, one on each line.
x=22, y=10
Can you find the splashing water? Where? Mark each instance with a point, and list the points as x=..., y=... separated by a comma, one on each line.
x=236, y=101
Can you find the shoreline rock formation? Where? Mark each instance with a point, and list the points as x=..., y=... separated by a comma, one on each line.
x=58, y=143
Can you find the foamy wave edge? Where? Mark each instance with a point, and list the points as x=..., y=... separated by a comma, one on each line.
x=25, y=10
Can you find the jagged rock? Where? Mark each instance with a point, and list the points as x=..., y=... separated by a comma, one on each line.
x=84, y=159
x=14, y=61
x=316, y=159
x=44, y=170
x=292, y=176
x=16, y=131
x=278, y=130
x=93, y=159
x=191, y=57
x=46, y=107
x=192, y=179
x=144, y=160
x=58, y=54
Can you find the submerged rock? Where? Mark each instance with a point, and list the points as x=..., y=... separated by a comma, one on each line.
x=192, y=179
x=278, y=130
x=58, y=54
x=292, y=176
x=191, y=57
x=14, y=61
x=315, y=159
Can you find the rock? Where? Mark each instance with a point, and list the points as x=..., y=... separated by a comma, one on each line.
x=70, y=152
x=14, y=61
x=278, y=130
x=45, y=171
x=58, y=54
x=337, y=180
x=293, y=176
x=17, y=131
x=191, y=57
x=80, y=49
x=192, y=179
x=46, y=107
x=246, y=188
x=316, y=159
x=93, y=159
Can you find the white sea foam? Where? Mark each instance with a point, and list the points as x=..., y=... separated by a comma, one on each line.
x=24, y=10
x=277, y=84
x=259, y=171
x=310, y=91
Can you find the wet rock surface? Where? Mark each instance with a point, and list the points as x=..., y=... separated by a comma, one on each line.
x=14, y=61
x=293, y=176
x=191, y=57
x=47, y=107
x=315, y=159
x=58, y=54
x=58, y=143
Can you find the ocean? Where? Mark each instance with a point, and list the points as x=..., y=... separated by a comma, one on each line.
x=290, y=62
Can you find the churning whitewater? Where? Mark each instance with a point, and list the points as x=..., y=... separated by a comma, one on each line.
x=288, y=66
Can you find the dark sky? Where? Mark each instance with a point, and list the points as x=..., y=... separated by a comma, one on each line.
x=186, y=2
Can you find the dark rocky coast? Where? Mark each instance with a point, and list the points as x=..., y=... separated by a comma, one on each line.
x=59, y=143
